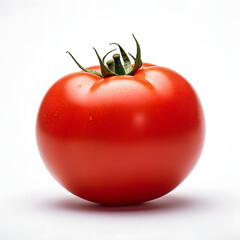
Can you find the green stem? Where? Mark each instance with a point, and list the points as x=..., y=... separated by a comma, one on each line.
x=83, y=68
x=126, y=60
x=103, y=59
x=115, y=66
x=110, y=64
x=119, y=70
x=104, y=70
x=138, y=61
x=132, y=56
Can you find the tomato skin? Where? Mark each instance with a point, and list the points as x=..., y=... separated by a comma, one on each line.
x=123, y=139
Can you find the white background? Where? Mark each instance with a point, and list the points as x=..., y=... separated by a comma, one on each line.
x=200, y=39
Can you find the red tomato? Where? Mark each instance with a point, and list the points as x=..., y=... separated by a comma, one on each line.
x=121, y=139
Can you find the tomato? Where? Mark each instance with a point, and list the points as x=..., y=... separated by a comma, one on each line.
x=122, y=139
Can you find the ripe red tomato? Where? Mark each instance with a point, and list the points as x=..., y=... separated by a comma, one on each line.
x=122, y=139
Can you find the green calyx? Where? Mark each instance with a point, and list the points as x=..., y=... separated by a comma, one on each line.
x=114, y=66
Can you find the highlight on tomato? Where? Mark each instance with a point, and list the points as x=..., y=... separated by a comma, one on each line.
x=120, y=133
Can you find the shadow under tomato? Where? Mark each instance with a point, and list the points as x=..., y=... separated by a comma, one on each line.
x=166, y=203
